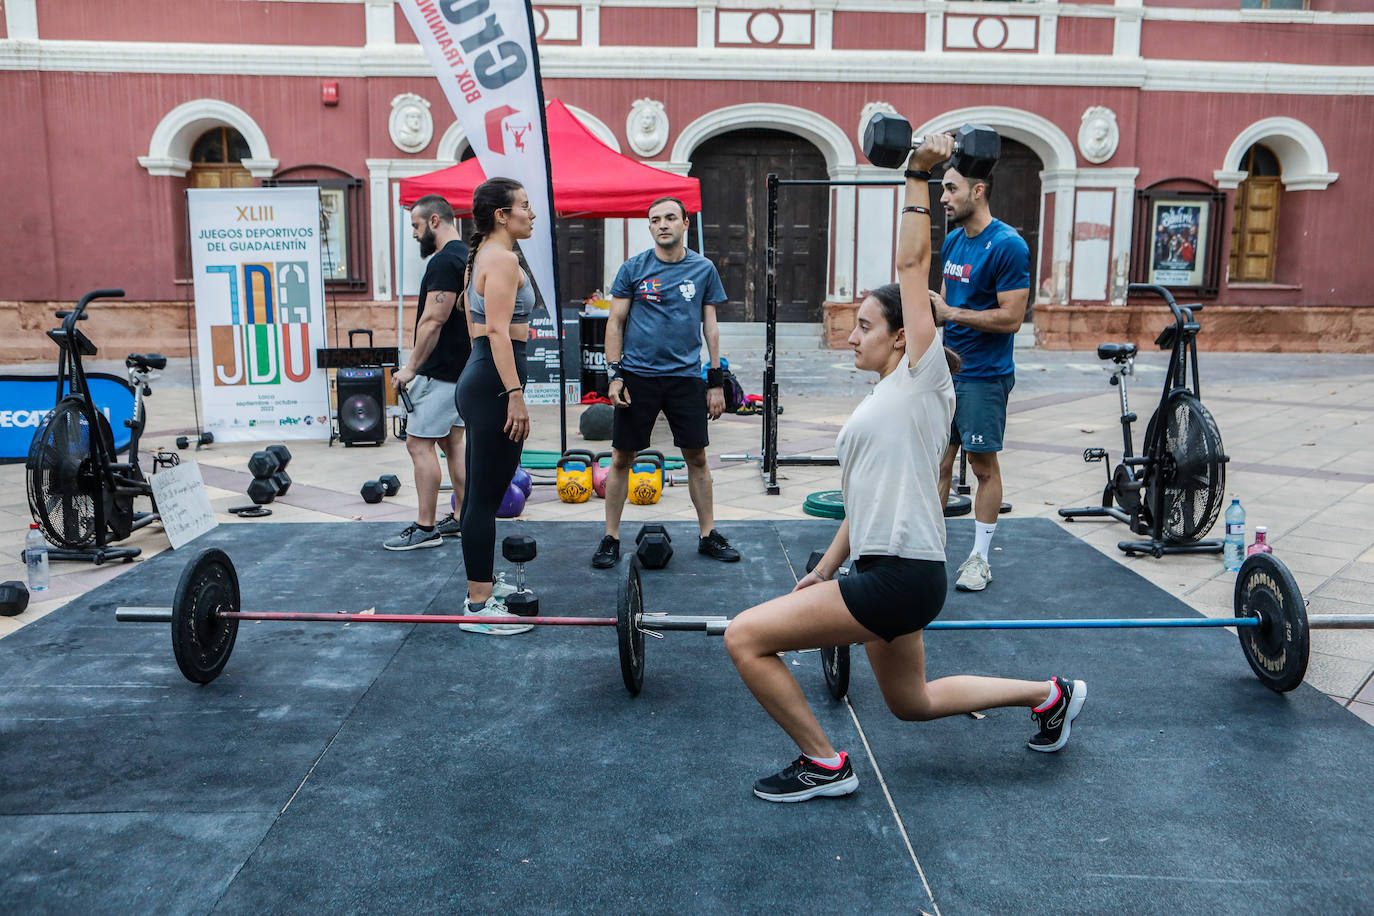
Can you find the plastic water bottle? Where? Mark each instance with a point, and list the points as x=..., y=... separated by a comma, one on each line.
x=1233, y=548
x=1261, y=544
x=36, y=558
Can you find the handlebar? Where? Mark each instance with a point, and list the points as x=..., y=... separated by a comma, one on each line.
x=1181, y=314
x=76, y=314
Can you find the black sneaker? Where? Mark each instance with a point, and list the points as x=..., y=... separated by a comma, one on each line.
x=804, y=778
x=608, y=554
x=413, y=537
x=1054, y=722
x=448, y=527
x=715, y=546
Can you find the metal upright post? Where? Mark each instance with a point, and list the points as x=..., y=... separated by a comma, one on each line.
x=769, y=468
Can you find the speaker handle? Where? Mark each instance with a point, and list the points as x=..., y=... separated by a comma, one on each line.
x=366, y=331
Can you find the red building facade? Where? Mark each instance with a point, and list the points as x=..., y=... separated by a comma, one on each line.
x=1119, y=117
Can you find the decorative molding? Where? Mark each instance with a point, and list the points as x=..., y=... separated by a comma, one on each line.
x=693, y=64
x=410, y=125
x=1229, y=179
x=1098, y=134
x=380, y=22
x=827, y=136
x=1301, y=154
x=169, y=149
x=21, y=19
x=646, y=127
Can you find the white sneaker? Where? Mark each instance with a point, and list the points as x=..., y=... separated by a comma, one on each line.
x=495, y=608
x=501, y=589
x=974, y=574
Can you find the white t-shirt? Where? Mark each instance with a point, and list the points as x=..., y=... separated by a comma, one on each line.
x=890, y=453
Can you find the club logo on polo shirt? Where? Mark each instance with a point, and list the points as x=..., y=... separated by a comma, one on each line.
x=649, y=289
x=688, y=290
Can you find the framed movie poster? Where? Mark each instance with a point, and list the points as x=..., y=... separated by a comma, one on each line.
x=1178, y=243
x=1177, y=238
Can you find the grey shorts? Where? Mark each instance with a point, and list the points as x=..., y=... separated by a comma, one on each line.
x=980, y=413
x=436, y=412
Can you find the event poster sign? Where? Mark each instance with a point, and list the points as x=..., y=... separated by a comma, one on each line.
x=255, y=260
x=1180, y=240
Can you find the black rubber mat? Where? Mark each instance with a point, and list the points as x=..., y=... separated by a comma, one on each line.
x=403, y=768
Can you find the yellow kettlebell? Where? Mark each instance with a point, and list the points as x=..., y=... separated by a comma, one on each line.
x=575, y=476
x=646, y=478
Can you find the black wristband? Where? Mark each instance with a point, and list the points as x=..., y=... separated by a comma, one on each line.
x=715, y=377
x=918, y=174
x=916, y=210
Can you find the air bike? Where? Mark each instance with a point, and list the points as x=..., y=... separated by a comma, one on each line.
x=1173, y=491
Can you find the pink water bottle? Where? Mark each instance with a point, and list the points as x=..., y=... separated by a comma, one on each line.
x=1260, y=545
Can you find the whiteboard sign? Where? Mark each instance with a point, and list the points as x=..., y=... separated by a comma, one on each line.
x=183, y=503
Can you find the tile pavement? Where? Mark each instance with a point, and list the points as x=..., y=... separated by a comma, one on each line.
x=1298, y=427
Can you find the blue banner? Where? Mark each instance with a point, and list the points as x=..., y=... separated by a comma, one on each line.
x=26, y=399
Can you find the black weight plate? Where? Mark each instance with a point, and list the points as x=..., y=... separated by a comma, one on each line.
x=629, y=612
x=1277, y=649
x=835, y=664
x=201, y=640
x=958, y=505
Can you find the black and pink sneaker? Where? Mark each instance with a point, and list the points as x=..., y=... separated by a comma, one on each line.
x=1055, y=719
x=804, y=778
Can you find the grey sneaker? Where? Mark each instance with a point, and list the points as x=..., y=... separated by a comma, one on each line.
x=974, y=574
x=500, y=588
x=414, y=537
x=448, y=527
x=495, y=608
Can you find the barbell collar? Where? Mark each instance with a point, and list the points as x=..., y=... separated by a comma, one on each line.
x=682, y=622
x=143, y=614
x=1340, y=622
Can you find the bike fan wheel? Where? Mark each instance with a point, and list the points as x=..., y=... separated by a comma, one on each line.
x=62, y=476
x=1192, y=470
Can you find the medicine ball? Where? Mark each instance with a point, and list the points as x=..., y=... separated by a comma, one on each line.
x=596, y=420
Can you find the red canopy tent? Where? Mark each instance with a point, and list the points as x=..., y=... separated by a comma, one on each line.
x=590, y=180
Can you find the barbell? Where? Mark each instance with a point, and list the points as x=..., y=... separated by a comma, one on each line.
x=1270, y=618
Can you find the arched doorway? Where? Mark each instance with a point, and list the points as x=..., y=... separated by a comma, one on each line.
x=1255, y=217
x=217, y=159
x=733, y=168
x=1016, y=199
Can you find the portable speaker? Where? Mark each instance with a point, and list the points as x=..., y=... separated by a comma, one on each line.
x=362, y=406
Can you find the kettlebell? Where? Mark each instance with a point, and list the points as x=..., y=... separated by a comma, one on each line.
x=646, y=478
x=599, y=472
x=575, y=476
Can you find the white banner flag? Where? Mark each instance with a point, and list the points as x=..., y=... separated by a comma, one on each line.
x=483, y=53
x=255, y=260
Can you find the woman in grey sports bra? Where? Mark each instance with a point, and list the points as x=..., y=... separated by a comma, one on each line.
x=490, y=395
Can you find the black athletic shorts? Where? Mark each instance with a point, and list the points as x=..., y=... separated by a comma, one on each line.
x=680, y=398
x=894, y=596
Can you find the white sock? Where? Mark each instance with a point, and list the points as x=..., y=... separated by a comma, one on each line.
x=831, y=762
x=1055, y=693
x=982, y=539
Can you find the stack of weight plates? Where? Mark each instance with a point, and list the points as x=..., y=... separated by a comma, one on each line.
x=825, y=504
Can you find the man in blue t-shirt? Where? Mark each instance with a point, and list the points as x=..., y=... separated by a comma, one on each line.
x=663, y=302
x=982, y=303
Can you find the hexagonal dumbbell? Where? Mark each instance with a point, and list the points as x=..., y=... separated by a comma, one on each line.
x=888, y=142
x=520, y=549
x=391, y=484
x=372, y=492
x=655, y=546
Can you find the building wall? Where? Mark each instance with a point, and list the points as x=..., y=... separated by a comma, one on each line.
x=86, y=86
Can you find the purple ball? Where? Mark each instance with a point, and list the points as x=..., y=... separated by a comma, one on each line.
x=523, y=481
x=513, y=503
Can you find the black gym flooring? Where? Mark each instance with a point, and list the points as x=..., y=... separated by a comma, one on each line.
x=419, y=769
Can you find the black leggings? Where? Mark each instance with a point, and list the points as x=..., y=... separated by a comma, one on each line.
x=490, y=458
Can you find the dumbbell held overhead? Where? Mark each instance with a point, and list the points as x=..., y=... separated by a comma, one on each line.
x=888, y=142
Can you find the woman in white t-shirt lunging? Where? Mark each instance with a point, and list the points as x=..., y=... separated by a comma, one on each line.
x=894, y=525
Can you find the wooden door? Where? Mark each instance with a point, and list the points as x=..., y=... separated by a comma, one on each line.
x=580, y=255
x=733, y=169
x=1254, y=225
x=1016, y=200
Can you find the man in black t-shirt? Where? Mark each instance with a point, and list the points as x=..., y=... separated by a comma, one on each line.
x=430, y=376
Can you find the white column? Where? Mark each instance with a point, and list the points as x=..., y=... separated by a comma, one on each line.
x=21, y=19
x=380, y=18
x=843, y=235
x=1049, y=26
x=1061, y=183
x=1123, y=181
x=379, y=194
x=935, y=27
x=1126, y=38
x=591, y=23
x=823, y=25
x=706, y=24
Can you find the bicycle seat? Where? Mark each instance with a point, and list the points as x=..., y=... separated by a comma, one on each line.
x=1117, y=351
x=145, y=361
